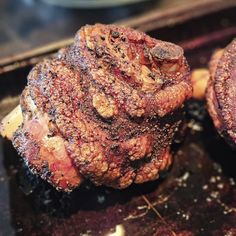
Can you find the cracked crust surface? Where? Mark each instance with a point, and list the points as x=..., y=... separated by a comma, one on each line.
x=115, y=99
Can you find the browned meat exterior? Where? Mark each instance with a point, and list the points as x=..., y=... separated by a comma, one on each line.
x=43, y=148
x=221, y=92
x=110, y=106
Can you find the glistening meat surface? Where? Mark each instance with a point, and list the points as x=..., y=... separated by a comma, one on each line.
x=112, y=102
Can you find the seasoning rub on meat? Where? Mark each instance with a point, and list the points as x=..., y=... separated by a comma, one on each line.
x=105, y=109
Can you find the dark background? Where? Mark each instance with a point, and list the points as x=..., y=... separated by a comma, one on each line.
x=26, y=24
